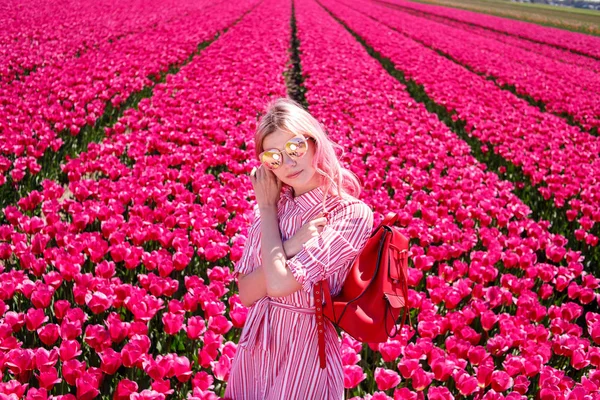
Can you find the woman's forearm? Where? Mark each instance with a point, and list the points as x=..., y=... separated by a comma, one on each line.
x=279, y=279
x=253, y=286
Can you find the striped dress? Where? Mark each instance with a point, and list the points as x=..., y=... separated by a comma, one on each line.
x=277, y=354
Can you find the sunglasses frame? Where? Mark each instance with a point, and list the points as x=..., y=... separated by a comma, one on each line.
x=306, y=139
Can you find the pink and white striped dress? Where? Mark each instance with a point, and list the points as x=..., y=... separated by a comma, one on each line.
x=277, y=354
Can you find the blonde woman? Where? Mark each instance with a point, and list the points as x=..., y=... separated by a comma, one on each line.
x=309, y=226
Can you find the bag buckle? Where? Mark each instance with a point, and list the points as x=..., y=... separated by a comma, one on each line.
x=400, y=256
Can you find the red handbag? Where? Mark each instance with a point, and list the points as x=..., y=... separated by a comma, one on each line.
x=374, y=293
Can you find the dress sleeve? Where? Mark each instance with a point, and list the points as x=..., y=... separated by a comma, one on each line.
x=340, y=241
x=246, y=263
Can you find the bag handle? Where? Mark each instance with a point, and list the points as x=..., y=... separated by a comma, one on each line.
x=390, y=219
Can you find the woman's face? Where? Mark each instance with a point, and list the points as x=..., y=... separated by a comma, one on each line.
x=307, y=179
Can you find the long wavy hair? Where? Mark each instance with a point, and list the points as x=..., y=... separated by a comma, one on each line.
x=287, y=115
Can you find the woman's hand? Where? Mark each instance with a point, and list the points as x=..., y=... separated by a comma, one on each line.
x=267, y=186
x=306, y=232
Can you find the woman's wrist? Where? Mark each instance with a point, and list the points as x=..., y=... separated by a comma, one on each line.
x=289, y=248
x=286, y=249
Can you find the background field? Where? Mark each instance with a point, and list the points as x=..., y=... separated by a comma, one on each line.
x=573, y=19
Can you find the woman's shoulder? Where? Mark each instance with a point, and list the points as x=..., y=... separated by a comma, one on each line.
x=351, y=205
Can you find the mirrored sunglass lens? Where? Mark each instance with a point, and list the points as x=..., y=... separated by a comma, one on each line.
x=296, y=147
x=272, y=159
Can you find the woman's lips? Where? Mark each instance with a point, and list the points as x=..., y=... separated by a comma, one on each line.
x=295, y=175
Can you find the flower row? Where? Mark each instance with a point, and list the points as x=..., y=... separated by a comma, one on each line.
x=44, y=109
x=498, y=298
x=104, y=280
x=567, y=89
x=576, y=42
x=560, y=160
x=31, y=41
x=545, y=50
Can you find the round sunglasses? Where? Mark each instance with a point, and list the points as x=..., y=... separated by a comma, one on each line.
x=296, y=148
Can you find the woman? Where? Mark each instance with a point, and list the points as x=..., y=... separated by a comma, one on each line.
x=291, y=246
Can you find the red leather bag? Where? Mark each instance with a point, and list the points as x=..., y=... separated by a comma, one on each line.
x=374, y=293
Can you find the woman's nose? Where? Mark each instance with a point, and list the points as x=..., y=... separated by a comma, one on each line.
x=287, y=159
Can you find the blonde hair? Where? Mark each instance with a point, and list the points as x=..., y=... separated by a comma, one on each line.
x=287, y=115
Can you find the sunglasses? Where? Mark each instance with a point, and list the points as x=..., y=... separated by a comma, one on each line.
x=296, y=148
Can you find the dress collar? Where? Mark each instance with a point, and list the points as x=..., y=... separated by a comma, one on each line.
x=306, y=201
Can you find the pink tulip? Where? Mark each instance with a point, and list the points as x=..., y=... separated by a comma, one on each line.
x=442, y=368
x=484, y=374
x=20, y=362
x=53, y=279
x=46, y=358
x=125, y=388
x=105, y=269
x=72, y=370
x=155, y=370
x=579, y=359
x=132, y=351
x=407, y=367
x=501, y=381
x=15, y=320
x=421, y=379
x=386, y=379
x=111, y=361
x=488, y=319
x=439, y=393
x=380, y=396
x=219, y=324
x=195, y=327
x=34, y=318
x=87, y=385
x=99, y=302
x=172, y=322
x=514, y=365
x=144, y=309
x=477, y=355
x=69, y=349
x=48, y=377
x=202, y=380
x=406, y=394
x=48, y=334
x=353, y=375
x=221, y=368
x=521, y=384
x=116, y=328
x=60, y=308
x=390, y=350
x=465, y=383
x=37, y=394
x=181, y=368
x=533, y=365
x=42, y=296
x=162, y=386
x=594, y=356
x=148, y=394
x=137, y=328
x=349, y=356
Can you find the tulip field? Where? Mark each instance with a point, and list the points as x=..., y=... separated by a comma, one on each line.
x=125, y=148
